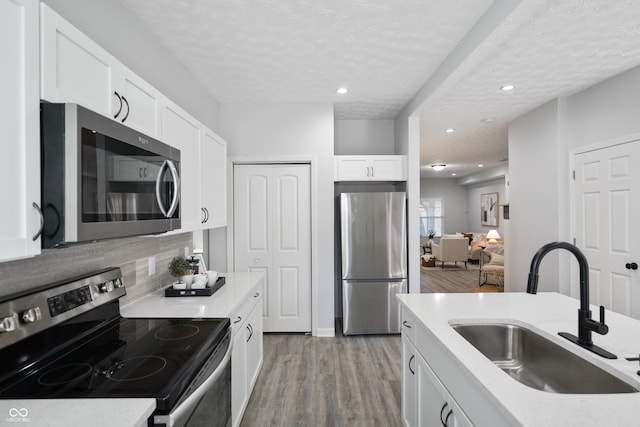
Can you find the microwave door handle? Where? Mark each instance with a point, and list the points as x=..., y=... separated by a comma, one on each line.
x=176, y=188
x=159, y=188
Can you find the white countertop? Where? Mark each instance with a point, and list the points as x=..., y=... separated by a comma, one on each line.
x=237, y=287
x=76, y=412
x=547, y=314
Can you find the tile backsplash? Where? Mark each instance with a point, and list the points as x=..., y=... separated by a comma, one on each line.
x=130, y=254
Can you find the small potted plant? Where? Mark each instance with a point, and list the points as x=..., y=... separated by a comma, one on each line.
x=431, y=234
x=178, y=268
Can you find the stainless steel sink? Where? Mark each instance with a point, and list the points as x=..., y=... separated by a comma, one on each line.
x=537, y=362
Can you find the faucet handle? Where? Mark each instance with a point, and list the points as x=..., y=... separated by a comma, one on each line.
x=603, y=327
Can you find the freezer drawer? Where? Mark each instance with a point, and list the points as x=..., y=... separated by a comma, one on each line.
x=370, y=307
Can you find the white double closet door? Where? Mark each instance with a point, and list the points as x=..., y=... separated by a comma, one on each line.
x=607, y=208
x=272, y=233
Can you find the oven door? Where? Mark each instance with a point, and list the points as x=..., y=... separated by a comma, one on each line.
x=207, y=402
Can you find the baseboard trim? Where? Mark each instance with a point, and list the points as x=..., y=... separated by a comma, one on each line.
x=326, y=332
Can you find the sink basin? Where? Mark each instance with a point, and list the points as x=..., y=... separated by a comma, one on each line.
x=537, y=362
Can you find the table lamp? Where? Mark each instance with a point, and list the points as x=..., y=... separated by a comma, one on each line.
x=493, y=236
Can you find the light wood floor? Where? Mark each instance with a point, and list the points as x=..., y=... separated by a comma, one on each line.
x=340, y=381
x=435, y=280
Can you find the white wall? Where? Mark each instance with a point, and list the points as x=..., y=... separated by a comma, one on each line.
x=605, y=111
x=454, y=200
x=534, y=195
x=354, y=137
x=118, y=31
x=290, y=132
x=473, y=205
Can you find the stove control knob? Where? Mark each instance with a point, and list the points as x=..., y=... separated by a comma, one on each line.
x=106, y=287
x=118, y=283
x=31, y=315
x=9, y=323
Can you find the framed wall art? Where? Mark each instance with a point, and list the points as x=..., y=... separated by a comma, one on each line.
x=489, y=209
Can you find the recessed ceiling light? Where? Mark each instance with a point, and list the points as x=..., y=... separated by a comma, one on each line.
x=480, y=166
x=449, y=130
x=438, y=168
x=342, y=90
x=507, y=88
x=488, y=120
x=453, y=174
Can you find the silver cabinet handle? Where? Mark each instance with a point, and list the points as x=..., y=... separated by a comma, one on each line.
x=237, y=320
x=411, y=360
x=39, y=233
x=176, y=186
x=406, y=324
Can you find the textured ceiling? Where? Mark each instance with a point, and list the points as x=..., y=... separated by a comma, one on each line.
x=384, y=51
x=301, y=51
x=565, y=46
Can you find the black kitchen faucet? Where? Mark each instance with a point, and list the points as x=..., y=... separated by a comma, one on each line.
x=585, y=323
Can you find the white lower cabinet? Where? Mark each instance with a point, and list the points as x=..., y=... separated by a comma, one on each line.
x=246, y=357
x=425, y=400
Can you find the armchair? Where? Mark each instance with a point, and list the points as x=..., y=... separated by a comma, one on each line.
x=451, y=249
x=492, y=263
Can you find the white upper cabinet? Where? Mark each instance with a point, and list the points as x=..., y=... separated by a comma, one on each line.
x=20, y=219
x=213, y=169
x=370, y=168
x=76, y=69
x=141, y=103
x=182, y=131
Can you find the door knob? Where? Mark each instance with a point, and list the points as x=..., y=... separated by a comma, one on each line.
x=256, y=260
x=631, y=266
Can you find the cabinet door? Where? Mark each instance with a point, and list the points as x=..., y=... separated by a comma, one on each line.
x=388, y=168
x=213, y=166
x=254, y=345
x=74, y=68
x=19, y=129
x=239, y=394
x=435, y=406
x=141, y=106
x=409, y=384
x=182, y=131
x=351, y=168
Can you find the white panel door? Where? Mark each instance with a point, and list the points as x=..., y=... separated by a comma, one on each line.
x=607, y=205
x=272, y=233
x=19, y=129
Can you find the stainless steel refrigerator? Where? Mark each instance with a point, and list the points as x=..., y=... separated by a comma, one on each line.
x=373, y=232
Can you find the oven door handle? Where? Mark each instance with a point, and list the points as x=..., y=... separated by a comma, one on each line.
x=176, y=187
x=184, y=409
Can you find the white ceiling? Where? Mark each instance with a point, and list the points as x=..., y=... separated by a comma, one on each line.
x=384, y=51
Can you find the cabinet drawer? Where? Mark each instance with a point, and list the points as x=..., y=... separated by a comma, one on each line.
x=239, y=317
x=409, y=324
x=253, y=299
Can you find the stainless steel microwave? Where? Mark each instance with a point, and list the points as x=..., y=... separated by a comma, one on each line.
x=101, y=179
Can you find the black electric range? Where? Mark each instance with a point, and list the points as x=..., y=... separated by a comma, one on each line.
x=49, y=351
